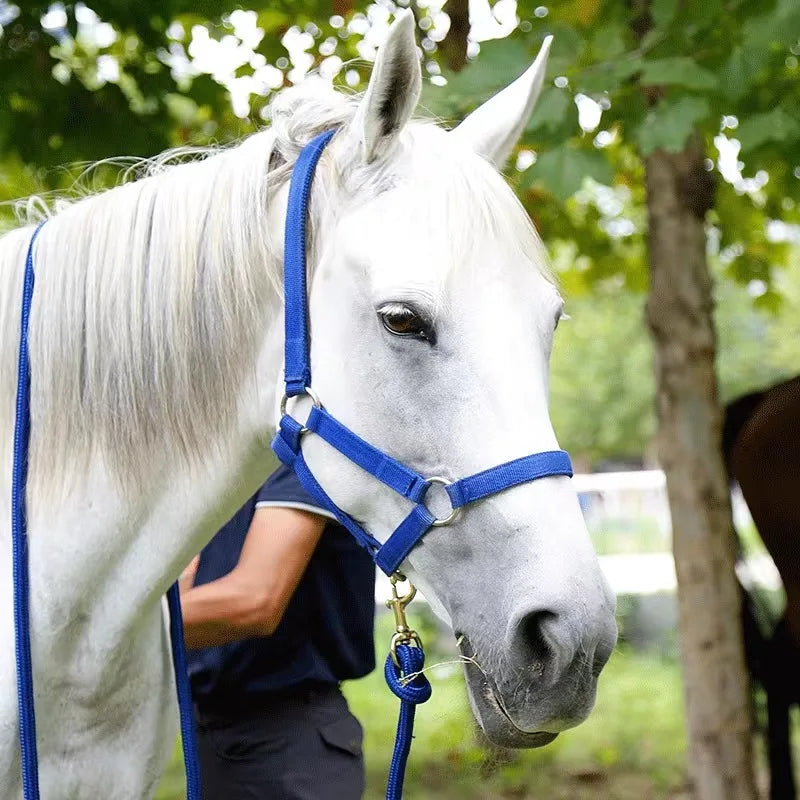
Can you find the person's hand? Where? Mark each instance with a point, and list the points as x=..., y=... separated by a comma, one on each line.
x=186, y=580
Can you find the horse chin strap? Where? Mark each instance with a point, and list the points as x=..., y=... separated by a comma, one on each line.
x=405, y=661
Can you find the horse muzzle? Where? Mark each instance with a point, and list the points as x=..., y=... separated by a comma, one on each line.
x=538, y=688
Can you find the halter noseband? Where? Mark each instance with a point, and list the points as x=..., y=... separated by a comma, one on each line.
x=404, y=480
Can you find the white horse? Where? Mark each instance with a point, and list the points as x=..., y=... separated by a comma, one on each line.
x=156, y=353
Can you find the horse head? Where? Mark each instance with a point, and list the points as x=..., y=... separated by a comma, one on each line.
x=432, y=316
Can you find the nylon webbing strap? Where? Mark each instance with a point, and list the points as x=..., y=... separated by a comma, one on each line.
x=402, y=541
x=512, y=473
x=386, y=469
x=297, y=367
x=295, y=461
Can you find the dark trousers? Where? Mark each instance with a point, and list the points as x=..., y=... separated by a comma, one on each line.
x=300, y=745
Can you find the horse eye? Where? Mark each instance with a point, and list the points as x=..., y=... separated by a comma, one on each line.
x=401, y=320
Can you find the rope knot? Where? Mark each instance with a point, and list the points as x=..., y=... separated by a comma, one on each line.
x=415, y=689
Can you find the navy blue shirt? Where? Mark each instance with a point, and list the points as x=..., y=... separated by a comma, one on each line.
x=326, y=634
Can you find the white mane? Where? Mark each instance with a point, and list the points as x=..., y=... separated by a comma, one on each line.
x=150, y=298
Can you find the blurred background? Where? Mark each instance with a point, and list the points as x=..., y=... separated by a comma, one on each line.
x=113, y=81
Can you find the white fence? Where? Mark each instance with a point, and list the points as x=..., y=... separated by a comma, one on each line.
x=627, y=514
x=636, y=496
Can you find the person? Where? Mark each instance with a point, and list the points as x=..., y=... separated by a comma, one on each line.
x=278, y=609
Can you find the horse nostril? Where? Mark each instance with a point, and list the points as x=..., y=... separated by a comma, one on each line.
x=532, y=638
x=602, y=653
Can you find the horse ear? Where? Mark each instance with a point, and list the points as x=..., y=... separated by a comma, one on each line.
x=494, y=128
x=393, y=90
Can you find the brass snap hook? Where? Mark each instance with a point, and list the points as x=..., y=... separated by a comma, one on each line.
x=397, y=602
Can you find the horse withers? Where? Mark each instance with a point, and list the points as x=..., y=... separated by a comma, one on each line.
x=155, y=346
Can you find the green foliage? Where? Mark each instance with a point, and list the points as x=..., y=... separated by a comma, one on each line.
x=552, y=109
x=669, y=124
x=57, y=105
x=500, y=62
x=565, y=168
x=677, y=71
x=605, y=349
x=660, y=78
x=770, y=126
x=758, y=347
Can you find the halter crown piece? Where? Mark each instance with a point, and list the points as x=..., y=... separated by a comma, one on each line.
x=405, y=661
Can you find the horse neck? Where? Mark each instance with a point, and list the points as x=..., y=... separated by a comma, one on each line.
x=104, y=543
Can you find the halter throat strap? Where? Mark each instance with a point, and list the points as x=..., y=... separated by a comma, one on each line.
x=399, y=477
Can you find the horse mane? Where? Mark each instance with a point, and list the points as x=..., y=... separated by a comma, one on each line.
x=150, y=299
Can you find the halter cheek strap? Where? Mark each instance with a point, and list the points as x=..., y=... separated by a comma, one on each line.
x=397, y=476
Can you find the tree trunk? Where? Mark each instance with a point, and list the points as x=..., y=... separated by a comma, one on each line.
x=679, y=313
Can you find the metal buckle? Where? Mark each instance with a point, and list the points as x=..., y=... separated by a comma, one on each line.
x=314, y=399
x=452, y=516
x=403, y=634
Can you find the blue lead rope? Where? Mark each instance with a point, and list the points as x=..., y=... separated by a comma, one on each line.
x=188, y=733
x=409, y=684
x=19, y=544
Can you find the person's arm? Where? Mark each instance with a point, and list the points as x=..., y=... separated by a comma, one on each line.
x=252, y=599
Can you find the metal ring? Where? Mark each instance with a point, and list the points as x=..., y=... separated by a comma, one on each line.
x=437, y=523
x=310, y=392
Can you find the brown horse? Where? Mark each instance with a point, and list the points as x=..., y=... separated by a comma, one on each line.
x=761, y=444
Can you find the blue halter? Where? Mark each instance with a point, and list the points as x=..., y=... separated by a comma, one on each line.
x=29, y=761
x=403, y=479
x=405, y=662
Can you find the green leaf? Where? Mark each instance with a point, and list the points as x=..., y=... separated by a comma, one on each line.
x=780, y=25
x=702, y=15
x=769, y=301
x=663, y=12
x=569, y=45
x=609, y=41
x=499, y=63
x=272, y=20
x=550, y=110
x=563, y=170
x=771, y=126
x=738, y=73
x=669, y=125
x=607, y=76
x=578, y=13
x=677, y=71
